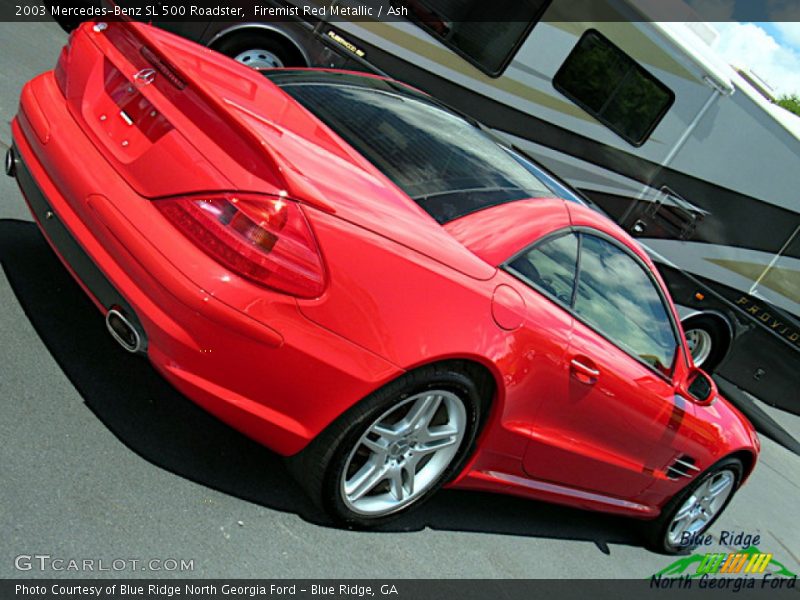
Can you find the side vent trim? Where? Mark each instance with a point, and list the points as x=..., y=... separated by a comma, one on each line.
x=682, y=467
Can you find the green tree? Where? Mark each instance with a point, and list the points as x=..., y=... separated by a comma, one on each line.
x=790, y=103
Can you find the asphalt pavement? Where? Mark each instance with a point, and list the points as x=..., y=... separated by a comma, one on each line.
x=100, y=459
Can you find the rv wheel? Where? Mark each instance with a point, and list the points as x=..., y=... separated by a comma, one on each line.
x=707, y=340
x=260, y=51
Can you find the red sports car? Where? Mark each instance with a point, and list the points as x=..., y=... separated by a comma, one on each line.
x=367, y=282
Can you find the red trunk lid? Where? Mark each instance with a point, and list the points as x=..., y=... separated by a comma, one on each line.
x=150, y=122
x=175, y=118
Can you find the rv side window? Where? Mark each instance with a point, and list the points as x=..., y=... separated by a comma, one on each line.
x=613, y=88
x=462, y=25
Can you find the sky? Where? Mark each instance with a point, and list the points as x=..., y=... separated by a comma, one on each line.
x=771, y=50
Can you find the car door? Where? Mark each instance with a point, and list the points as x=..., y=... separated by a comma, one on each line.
x=536, y=363
x=614, y=419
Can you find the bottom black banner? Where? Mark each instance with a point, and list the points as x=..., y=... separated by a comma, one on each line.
x=411, y=589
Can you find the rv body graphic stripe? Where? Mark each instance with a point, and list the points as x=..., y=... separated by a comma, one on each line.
x=738, y=223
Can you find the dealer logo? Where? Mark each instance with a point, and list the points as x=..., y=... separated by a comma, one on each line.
x=745, y=568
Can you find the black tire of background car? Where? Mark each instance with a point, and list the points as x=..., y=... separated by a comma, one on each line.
x=318, y=468
x=234, y=44
x=69, y=23
x=656, y=530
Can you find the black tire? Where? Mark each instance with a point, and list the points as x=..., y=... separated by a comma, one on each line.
x=656, y=531
x=235, y=44
x=719, y=335
x=68, y=24
x=320, y=467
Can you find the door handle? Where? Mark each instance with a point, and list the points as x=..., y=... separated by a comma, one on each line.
x=583, y=369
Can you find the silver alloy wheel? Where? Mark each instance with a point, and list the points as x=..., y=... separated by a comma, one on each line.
x=701, y=507
x=258, y=58
x=403, y=453
x=700, y=345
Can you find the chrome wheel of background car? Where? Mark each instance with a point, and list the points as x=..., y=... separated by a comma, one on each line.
x=258, y=58
x=700, y=345
x=260, y=49
x=403, y=453
x=701, y=507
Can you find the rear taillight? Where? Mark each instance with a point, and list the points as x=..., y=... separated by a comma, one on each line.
x=60, y=71
x=62, y=65
x=265, y=239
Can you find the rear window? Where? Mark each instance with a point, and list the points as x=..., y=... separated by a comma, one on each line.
x=444, y=163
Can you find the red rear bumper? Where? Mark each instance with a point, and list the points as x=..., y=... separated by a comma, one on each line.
x=245, y=354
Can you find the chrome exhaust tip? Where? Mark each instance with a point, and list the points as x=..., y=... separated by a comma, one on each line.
x=11, y=163
x=123, y=331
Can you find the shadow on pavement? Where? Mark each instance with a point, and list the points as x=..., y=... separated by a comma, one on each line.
x=761, y=420
x=153, y=420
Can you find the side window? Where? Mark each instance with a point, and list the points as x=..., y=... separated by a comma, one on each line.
x=618, y=297
x=550, y=267
x=465, y=26
x=613, y=88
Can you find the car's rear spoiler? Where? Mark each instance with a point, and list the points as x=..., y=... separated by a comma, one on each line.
x=254, y=152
